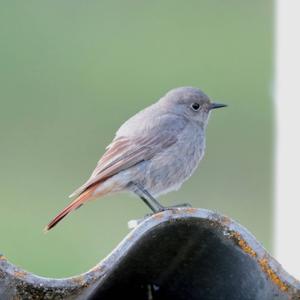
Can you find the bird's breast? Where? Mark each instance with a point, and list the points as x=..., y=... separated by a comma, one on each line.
x=168, y=170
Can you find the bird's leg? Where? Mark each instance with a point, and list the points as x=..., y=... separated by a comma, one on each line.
x=149, y=200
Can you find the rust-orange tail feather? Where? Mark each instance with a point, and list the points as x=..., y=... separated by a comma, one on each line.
x=85, y=196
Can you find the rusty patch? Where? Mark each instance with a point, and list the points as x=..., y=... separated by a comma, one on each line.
x=225, y=220
x=243, y=244
x=158, y=216
x=79, y=280
x=191, y=210
x=20, y=274
x=2, y=257
x=272, y=275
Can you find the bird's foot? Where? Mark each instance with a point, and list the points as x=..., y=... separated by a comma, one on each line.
x=134, y=223
x=163, y=208
x=178, y=206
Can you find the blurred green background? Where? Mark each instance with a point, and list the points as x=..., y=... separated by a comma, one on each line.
x=72, y=71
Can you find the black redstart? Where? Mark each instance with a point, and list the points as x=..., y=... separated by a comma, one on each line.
x=153, y=152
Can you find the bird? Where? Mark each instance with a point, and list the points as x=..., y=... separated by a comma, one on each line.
x=153, y=153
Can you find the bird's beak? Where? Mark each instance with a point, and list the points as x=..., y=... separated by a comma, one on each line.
x=216, y=105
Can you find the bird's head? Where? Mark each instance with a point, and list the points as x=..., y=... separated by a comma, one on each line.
x=191, y=103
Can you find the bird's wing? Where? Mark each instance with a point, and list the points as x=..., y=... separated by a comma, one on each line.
x=125, y=152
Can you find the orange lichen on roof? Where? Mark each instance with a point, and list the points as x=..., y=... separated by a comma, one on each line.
x=190, y=210
x=243, y=244
x=159, y=215
x=225, y=220
x=272, y=275
x=79, y=280
x=262, y=262
x=20, y=274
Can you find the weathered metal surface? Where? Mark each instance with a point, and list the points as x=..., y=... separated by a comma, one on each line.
x=183, y=253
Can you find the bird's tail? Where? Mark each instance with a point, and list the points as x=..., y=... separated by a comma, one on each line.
x=84, y=197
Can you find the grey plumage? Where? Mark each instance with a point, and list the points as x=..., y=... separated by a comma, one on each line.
x=153, y=152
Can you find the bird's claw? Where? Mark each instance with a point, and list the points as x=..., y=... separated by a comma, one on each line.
x=179, y=205
x=134, y=223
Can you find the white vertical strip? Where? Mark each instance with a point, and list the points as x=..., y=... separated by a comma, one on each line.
x=287, y=94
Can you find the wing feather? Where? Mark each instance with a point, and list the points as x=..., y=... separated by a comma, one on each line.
x=127, y=151
x=124, y=153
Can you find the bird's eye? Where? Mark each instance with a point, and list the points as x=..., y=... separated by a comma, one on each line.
x=195, y=106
